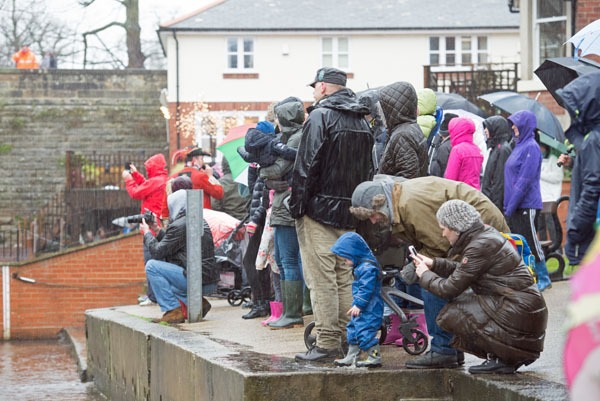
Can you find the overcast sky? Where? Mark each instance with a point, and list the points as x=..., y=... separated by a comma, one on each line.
x=102, y=12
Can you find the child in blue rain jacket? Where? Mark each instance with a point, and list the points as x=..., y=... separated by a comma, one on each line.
x=367, y=304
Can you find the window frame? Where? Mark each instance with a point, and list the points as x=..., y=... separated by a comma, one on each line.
x=240, y=53
x=335, y=52
x=537, y=22
x=474, y=51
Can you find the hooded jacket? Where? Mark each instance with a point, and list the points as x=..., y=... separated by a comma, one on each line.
x=523, y=166
x=465, y=160
x=170, y=245
x=334, y=156
x=505, y=315
x=413, y=205
x=150, y=191
x=427, y=105
x=405, y=154
x=580, y=98
x=366, y=289
x=291, y=117
x=492, y=184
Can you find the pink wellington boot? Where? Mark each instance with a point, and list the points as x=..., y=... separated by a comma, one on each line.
x=393, y=334
x=421, y=324
x=276, y=311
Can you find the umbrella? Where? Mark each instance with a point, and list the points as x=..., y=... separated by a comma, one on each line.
x=455, y=101
x=587, y=40
x=551, y=131
x=556, y=73
x=233, y=140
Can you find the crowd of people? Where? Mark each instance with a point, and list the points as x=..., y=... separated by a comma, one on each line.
x=337, y=185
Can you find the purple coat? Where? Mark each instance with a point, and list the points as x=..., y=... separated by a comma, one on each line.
x=523, y=167
x=465, y=160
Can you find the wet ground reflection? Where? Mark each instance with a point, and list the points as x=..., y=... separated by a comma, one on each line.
x=41, y=370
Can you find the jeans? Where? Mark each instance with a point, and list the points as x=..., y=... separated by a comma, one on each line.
x=170, y=285
x=147, y=257
x=440, y=342
x=287, y=252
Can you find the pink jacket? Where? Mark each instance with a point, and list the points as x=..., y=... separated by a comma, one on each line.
x=465, y=160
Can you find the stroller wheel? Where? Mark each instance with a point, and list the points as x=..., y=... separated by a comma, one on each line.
x=417, y=343
x=234, y=298
x=310, y=340
x=246, y=294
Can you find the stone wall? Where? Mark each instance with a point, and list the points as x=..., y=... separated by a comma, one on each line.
x=44, y=114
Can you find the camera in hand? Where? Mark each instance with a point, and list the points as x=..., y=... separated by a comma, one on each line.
x=128, y=166
x=137, y=218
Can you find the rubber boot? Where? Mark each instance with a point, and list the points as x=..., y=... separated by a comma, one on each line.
x=373, y=358
x=306, y=302
x=543, y=278
x=393, y=332
x=350, y=358
x=276, y=311
x=292, y=306
x=259, y=309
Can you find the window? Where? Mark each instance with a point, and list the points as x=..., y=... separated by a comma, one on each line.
x=550, y=29
x=240, y=53
x=458, y=50
x=335, y=53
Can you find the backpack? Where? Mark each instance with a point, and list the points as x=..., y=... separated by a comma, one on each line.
x=520, y=244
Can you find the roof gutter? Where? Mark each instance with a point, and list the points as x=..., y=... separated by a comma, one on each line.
x=177, y=104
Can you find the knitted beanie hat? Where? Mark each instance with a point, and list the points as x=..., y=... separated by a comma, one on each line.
x=369, y=197
x=457, y=215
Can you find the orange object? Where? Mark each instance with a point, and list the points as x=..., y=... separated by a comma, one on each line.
x=25, y=59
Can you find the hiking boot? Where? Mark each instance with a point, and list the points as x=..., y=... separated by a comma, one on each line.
x=350, y=358
x=433, y=360
x=316, y=354
x=205, y=307
x=373, y=358
x=492, y=365
x=171, y=317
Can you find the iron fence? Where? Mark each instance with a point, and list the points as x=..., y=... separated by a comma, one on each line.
x=472, y=81
x=85, y=211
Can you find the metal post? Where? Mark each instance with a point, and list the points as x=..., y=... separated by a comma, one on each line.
x=194, y=227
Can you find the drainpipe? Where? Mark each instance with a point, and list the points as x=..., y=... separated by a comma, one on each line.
x=6, y=302
x=177, y=106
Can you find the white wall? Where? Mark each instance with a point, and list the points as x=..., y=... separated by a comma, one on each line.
x=375, y=60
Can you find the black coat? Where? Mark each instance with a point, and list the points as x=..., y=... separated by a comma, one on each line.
x=170, y=246
x=334, y=156
x=492, y=184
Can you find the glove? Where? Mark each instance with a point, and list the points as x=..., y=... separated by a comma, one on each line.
x=251, y=229
x=409, y=274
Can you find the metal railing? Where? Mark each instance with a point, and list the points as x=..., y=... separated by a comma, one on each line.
x=83, y=212
x=473, y=80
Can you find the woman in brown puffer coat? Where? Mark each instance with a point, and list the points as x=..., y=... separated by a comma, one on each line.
x=503, y=319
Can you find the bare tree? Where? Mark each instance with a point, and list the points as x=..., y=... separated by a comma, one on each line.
x=132, y=30
x=27, y=23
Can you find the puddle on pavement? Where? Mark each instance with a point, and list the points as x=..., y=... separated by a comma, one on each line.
x=41, y=370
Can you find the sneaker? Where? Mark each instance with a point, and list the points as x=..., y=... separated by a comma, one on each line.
x=317, y=354
x=493, y=365
x=433, y=360
x=146, y=302
x=142, y=298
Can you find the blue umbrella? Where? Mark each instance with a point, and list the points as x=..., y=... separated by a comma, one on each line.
x=547, y=123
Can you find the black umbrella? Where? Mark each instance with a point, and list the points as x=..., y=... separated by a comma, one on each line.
x=556, y=73
x=454, y=101
x=510, y=102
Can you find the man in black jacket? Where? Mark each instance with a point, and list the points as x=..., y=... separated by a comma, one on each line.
x=166, y=271
x=334, y=156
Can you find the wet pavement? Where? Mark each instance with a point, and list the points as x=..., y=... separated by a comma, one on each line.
x=41, y=370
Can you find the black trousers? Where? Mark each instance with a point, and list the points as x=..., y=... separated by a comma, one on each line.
x=523, y=223
x=259, y=280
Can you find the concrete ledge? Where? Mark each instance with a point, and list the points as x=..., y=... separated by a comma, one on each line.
x=226, y=359
x=75, y=336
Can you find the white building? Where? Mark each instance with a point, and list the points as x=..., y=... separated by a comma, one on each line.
x=229, y=60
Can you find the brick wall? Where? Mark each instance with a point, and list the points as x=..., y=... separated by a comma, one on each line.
x=99, y=275
x=587, y=11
